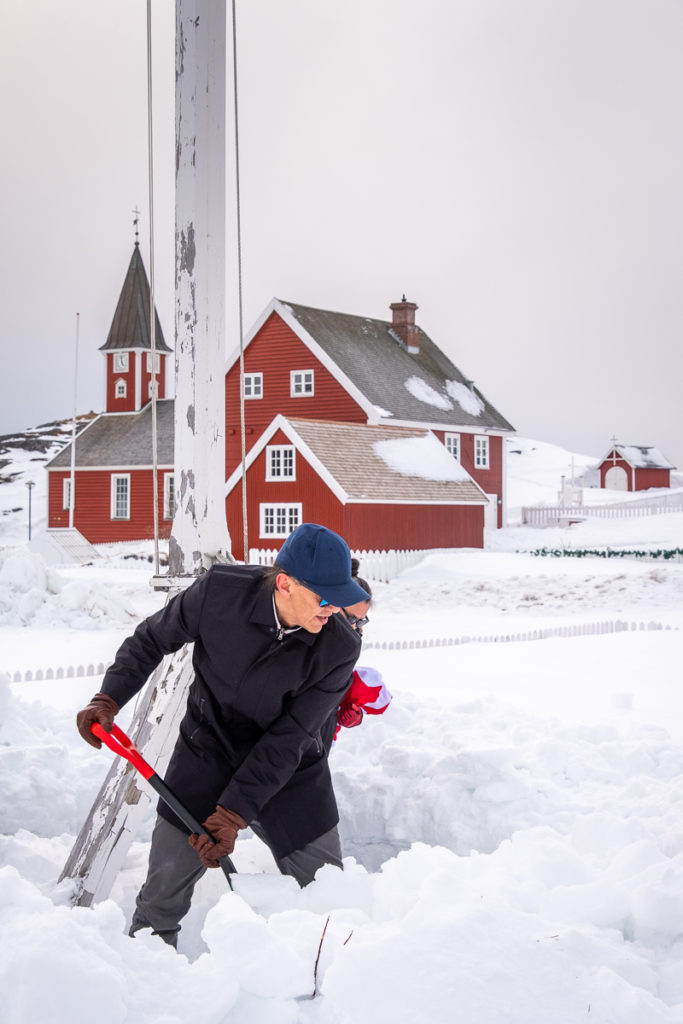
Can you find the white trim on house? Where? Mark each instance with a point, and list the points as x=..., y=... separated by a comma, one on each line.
x=115, y=496
x=286, y=507
x=482, y=450
x=169, y=486
x=252, y=376
x=285, y=455
x=138, y=379
x=107, y=469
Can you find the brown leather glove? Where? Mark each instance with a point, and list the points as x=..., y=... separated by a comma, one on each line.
x=223, y=826
x=102, y=708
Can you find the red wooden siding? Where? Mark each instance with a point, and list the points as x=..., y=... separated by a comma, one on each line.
x=644, y=478
x=274, y=351
x=363, y=526
x=126, y=404
x=490, y=480
x=93, y=506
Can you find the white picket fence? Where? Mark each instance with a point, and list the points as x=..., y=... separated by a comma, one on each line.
x=374, y=565
x=564, y=515
x=545, y=633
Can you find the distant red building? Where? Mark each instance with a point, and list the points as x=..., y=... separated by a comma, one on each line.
x=632, y=467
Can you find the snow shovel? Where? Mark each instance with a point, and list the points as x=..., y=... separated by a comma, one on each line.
x=121, y=744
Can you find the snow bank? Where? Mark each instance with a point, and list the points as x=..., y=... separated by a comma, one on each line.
x=33, y=593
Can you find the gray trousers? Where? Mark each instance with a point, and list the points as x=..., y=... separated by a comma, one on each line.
x=175, y=868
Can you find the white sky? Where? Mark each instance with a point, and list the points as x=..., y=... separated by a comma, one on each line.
x=513, y=166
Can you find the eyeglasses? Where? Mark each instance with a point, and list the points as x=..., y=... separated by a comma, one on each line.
x=356, y=622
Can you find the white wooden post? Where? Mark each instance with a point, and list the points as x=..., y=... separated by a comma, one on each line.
x=200, y=534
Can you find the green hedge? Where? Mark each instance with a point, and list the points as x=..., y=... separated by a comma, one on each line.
x=665, y=553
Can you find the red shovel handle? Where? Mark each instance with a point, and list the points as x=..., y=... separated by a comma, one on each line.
x=121, y=744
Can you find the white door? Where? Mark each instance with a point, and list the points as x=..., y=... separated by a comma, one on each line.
x=491, y=512
x=616, y=479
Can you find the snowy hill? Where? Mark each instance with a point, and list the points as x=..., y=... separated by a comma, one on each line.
x=511, y=825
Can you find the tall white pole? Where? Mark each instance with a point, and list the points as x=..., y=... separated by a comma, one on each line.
x=200, y=534
x=152, y=301
x=72, y=479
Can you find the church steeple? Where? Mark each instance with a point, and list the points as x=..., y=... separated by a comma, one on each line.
x=128, y=346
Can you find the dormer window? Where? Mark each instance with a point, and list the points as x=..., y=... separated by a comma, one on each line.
x=300, y=383
x=120, y=362
x=120, y=389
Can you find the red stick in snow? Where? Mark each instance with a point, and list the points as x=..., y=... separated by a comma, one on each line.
x=121, y=744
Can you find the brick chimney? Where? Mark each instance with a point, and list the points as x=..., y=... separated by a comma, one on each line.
x=403, y=325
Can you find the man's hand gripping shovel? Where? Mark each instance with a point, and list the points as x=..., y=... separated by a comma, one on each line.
x=121, y=744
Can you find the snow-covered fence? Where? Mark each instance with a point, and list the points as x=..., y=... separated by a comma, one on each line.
x=374, y=565
x=71, y=672
x=581, y=629
x=545, y=633
x=565, y=515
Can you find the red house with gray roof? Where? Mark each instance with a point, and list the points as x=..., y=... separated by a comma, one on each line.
x=308, y=363
x=634, y=467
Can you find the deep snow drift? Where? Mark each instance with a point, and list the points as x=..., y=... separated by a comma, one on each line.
x=513, y=824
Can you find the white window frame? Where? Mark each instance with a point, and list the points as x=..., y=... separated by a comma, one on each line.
x=121, y=362
x=280, y=462
x=452, y=442
x=169, y=495
x=157, y=362
x=114, y=509
x=301, y=383
x=66, y=492
x=253, y=386
x=482, y=451
x=120, y=389
x=278, y=520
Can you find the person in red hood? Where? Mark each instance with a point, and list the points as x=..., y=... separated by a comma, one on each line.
x=367, y=694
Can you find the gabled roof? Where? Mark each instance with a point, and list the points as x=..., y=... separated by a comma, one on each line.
x=130, y=326
x=122, y=440
x=393, y=383
x=640, y=456
x=375, y=463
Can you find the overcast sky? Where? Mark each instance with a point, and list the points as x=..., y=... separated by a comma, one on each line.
x=515, y=167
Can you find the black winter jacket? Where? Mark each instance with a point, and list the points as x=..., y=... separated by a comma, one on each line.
x=250, y=738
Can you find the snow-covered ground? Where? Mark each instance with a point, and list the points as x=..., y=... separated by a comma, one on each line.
x=513, y=824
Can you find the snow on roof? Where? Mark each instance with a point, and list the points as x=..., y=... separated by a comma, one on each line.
x=643, y=456
x=420, y=389
x=424, y=457
x=466, y=398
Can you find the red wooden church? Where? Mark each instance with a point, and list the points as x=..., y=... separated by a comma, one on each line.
x=364, y=425
x=634, y=467
x=113, y=482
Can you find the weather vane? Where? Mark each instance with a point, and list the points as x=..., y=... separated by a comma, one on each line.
x=136, y=221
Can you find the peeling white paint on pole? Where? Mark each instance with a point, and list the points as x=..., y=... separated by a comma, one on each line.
x=200, y=534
